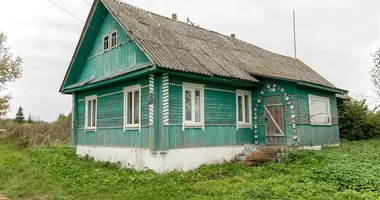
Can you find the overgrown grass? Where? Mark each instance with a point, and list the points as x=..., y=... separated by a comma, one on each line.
x=351, y=171
x=36, y=134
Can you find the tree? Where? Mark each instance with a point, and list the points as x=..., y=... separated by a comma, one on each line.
x=30, y=119
x=19, y=116
x=63, y=117
x=10, y=70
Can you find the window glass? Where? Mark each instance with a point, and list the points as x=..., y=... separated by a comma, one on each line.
x=188, y=105
x=105, y=43
x=114, y=39
x=240, y=108
x=197, y=102
x=136, y=107
x=319, y=110
x=318, y=107
x=93, y=115
x=129, y=108
x=89, y=113
x=246, y=104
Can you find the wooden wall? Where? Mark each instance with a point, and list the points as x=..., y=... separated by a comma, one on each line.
x=125, y=56
x=110, y=108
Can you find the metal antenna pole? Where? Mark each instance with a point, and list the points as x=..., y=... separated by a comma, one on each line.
x=294, y=33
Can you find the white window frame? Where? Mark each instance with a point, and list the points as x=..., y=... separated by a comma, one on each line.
x=87, y=99
x=243, y=124
x=319, y=98
x=111, y=47
x=126, y=91
x=109, y=40
x=192, y=123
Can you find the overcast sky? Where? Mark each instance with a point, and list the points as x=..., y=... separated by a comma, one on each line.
x=333, y=37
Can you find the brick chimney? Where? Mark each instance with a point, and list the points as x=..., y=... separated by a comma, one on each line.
x=174, y=16
x=233, y=35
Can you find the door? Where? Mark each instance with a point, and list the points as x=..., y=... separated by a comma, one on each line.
x=274, y=120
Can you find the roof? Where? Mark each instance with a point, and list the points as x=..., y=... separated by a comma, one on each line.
x=343, y=96
x=183, y=47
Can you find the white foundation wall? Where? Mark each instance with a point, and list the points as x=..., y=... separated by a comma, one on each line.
x=176, y=159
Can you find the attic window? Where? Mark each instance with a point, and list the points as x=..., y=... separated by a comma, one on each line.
x=114, y=39
x=106, y=43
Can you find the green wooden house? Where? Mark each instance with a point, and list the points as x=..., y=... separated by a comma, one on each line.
x=153, y=92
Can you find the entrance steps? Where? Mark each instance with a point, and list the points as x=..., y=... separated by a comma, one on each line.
x=259, y=155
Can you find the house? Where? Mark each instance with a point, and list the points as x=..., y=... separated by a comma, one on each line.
x=155, y=93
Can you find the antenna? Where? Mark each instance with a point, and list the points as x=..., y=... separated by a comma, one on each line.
x=189, y=22
x=294, y=34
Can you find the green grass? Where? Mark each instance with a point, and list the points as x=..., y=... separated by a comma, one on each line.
x=351, y=171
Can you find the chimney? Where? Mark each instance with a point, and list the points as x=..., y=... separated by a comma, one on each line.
x=174, y=16
x=233, y=35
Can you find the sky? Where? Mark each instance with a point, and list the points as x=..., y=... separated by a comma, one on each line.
x=335, y=38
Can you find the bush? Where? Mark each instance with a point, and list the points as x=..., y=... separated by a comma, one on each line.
x=34, y=134
x=358, y=122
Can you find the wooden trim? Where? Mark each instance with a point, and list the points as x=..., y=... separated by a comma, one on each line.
x=126, y=90
x=320, y=98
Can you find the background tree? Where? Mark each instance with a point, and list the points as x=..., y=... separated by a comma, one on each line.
x=30, y=119
x=10, y=70
x=375, y=72
x=19, y=116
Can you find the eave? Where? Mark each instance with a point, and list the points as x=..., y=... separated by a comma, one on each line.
x=113, y=79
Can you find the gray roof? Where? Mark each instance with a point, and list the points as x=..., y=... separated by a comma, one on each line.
x=179, y=46
x=344, y=96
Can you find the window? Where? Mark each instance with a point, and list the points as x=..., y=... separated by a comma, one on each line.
x=132, y=107
x=113, y=39
x=243, y=108
x=319, y=110
x=193, y=102
x=90, y=115
x=106, y=42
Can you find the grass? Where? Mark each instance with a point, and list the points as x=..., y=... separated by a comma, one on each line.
x=351, y=171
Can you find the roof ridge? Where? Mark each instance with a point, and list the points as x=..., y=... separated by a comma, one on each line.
x=177, y=21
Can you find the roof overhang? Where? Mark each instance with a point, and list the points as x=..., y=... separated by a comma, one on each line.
x=99, y=82
x=86, y=26
x=320, y=87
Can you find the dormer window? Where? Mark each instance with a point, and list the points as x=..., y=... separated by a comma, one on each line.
x=114, y=39
x=106, y=43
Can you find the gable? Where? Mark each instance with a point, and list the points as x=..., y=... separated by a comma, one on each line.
x=125, y=56
x=89, y=62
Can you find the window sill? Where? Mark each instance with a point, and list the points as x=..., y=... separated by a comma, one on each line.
x=320, y=124
x=90, y=129
x=193, y=125
x=244, y=125
x=133, y=128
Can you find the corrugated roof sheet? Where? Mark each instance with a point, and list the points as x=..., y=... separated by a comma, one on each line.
x=179, y=46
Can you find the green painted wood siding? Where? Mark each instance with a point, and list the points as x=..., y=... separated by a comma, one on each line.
x=110, y=116
x=125, y=56
x=317, y=134
x=220, y=118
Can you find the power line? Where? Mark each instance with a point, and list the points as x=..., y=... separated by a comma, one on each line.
x=87, y=2
x=364, y=96
x=71, y=14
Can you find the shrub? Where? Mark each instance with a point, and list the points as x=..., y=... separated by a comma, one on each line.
x=34, y=134
x=358, y=122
